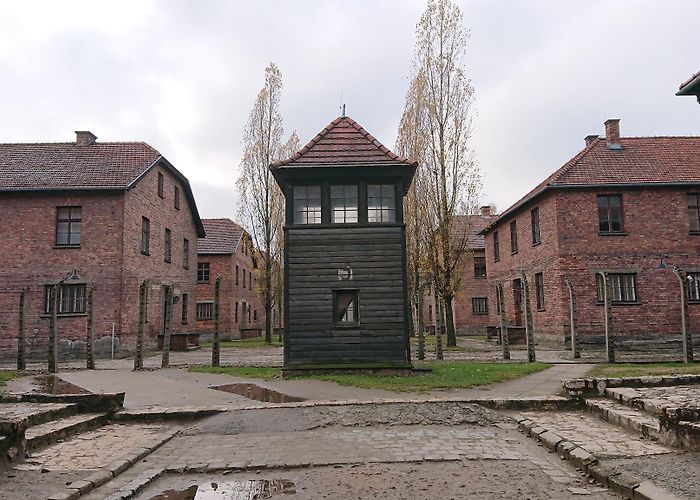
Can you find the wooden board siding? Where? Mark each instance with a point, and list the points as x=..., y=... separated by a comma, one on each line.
x=313, y=258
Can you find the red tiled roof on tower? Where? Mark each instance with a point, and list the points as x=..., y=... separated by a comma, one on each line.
x=223, y=237
x=343, y=142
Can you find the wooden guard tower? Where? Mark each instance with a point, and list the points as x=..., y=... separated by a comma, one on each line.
x=345, y=287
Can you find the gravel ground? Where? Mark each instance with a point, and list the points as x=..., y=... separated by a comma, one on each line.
x=30, y=484
x=491, y=479
x=678, y=473
x=300, y=419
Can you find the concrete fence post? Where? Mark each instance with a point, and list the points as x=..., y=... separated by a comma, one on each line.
x=90, y=346
x=167, y=324
x=53, y=327
x=503, y=326
x=216, y=343
x=609, y=332
x=529, y=332
x=685, y=318
x=575, y=346
x=21, y=355
x=143, y=300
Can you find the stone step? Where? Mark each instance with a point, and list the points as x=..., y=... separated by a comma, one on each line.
x=50, y=432
x=624, y=416
x=36, y=413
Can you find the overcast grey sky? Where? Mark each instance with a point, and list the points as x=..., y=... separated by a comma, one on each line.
x=183, y=75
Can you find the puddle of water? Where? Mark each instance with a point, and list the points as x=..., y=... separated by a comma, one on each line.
x=231, y=490
x=50, y=384
x=252, y=391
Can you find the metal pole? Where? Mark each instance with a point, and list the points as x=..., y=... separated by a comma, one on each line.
x=90, y=347
x=21, y=357
x=501, y=305
x=53, y=327
x=575, y=346
x=609, y=334
x=168, y=320
x=216, y=346
x=143, y=294
x=685, y=331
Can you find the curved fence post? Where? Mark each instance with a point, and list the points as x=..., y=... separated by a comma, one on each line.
x=529, y=333
x=500, y=304
x=685, y=331
x=21, y=356
x=90, y=346
x=216, y=342
x=575, y=346
x=609, y=334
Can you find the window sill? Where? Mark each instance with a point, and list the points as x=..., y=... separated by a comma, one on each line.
x=541, y=309
x=620, y=303
x=480, y=314
x=497, y=260
x=694, y=233
x=147, y=254
x=479, y=277
x=537, y=243
x=205, y=319
x=63, y=315
x=202, y=282
x=616, y=233
x=347, y=326
x=57, y=247
x=168, y=261
x=514, y=253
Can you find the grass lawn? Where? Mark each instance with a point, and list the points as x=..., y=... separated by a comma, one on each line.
x=6, y=376
x=443, y=375
x=642, y=369
x=246, y=343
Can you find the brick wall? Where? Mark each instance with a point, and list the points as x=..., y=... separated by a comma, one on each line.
x=143, y=201
x=655, y=223
x=232, y=293
x=29, y=258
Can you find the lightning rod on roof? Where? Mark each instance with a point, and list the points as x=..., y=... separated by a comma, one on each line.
x=342, y=113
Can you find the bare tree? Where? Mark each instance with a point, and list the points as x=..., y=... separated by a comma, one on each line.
x=262, y=202
x=410, y=143
x=452, y=181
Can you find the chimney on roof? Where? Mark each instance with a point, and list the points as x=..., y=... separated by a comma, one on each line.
x=612, y=133
x=84, y=138
x=590, y=139
x=485, y=210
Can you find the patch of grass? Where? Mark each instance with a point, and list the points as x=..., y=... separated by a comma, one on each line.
x=442, y=376
x=245, y=343
x=430, y=344
x=616, y=370
x=6, y=376
x=265, y=372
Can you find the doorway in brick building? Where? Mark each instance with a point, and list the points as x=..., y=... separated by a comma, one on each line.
x=517, y=302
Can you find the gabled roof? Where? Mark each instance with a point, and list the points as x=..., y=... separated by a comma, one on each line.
x=43, y=166
x=67, y=166
x=691, y=86
x=640, y=162
x=343, y=143
x=223, y=237
x=470, y=226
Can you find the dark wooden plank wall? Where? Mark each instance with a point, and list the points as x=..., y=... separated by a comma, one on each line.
x=375, y=256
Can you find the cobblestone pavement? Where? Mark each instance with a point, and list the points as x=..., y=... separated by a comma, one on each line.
x=598, y=437
x=678, y=473
x=679, y=396
x=92, y=450
x=492, y=479
x=346, y=446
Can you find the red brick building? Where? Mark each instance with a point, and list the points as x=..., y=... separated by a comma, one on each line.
x=106, y=216
x=227, y=251
x=620, y=206
x=470, y=307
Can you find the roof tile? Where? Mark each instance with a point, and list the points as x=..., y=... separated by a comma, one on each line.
x=223, y=237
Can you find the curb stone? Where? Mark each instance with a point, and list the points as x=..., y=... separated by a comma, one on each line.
x=622, y=482
x=102, y=476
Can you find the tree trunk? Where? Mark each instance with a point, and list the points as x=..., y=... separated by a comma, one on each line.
x=268, y=298
x=439, y=326
x=450, y=323
x=421, y=326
